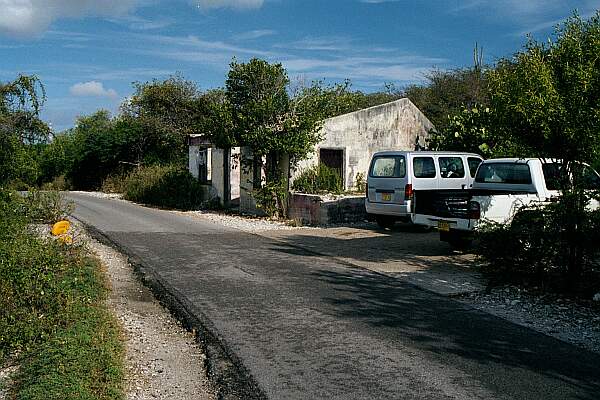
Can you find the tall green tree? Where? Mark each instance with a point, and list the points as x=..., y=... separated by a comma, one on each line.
x=20, y=127
x=165, y=112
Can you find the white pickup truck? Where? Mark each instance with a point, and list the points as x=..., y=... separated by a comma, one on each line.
x=500, y=189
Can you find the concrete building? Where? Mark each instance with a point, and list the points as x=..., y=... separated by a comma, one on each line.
x=350, y=140
x=209, y=164
x=348, y=143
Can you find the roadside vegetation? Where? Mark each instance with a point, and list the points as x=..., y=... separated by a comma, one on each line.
x=53, y=316
x=542, y=101
x=319, y=179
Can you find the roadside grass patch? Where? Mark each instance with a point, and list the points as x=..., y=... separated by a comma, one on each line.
x=53, y=313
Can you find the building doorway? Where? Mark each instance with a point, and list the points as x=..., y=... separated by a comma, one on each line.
x=334, y=159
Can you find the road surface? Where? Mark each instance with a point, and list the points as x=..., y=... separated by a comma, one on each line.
x=308, y=327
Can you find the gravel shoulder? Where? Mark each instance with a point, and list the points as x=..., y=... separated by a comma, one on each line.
x=573, y=322
x=163, y=361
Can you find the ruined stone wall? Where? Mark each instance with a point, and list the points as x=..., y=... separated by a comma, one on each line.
x=398, y=125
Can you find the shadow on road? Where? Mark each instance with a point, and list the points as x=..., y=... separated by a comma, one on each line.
x=454, y=333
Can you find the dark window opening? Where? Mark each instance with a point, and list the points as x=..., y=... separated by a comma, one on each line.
x=334, y=159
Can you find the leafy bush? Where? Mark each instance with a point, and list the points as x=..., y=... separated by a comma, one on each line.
x=535, y=249
x=319, y=179
x=52, y=310
x=272, y=199
x=44, y=206
x=114, y=184
x=164, y=186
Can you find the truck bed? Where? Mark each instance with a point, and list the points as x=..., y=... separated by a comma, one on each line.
x=443, y=203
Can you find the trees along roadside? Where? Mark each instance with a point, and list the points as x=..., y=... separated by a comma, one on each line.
x=545, y=102
x=21, y=129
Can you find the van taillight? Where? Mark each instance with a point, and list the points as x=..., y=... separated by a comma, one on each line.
x=408, y=192
x=474, y=210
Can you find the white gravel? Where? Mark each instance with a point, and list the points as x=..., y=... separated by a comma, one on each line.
x=243, y=223
x=99, y=194
x=564, y=319
x=163, y=360
x=7, y=372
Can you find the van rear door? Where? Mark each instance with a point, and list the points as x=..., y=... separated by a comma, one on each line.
x=387, y=179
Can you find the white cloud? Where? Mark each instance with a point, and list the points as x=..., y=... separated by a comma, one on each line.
x=92, y=89
x=256, y=34
x=32, y=17
x=239, y=4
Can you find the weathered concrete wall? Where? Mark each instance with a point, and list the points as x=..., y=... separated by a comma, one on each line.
x=218, y=173
x=398, y=125
x=316, y=210
x=193, y=160
x=235, y=173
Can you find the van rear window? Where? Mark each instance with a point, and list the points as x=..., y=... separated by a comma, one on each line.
x=507, y=173
x=388, y=167
x=423, y=167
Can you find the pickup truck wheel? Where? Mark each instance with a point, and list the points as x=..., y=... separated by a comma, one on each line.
x=385, y=221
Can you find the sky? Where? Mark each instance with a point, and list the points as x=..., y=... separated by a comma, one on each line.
x=89, y=52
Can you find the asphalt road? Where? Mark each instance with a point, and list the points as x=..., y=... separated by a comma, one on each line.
x=308, y=327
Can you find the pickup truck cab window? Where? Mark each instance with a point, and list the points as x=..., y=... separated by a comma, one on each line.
x=591, y=180
x=451, y=167
x=507, y=173
x=552, y=172
x=424, y=167
x=388, y=167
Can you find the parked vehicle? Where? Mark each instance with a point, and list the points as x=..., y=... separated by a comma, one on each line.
x=394, y=176
x=501, y=188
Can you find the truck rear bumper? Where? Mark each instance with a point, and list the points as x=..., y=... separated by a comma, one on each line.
x=396, y=210
x=459, y=224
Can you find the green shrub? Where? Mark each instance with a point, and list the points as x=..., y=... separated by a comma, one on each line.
x=319, y=179
x=534, y=250
x=61, y=183
x=52, y=310
x=45, y=206
x=114, y=184
x=164, y=186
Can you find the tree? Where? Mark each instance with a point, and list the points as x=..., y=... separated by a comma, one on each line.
x=20, y=127
x=446, y=93
x=164, y=112
x=545, y=102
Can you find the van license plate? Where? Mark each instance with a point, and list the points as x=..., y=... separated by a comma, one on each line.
x=443, y=226
x=386, y=196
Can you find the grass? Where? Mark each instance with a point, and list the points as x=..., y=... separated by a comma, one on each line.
x=53, y=314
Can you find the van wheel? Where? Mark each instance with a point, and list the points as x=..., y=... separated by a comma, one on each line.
x=385, y=222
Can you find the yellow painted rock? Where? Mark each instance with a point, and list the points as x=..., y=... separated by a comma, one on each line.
x=60, y=228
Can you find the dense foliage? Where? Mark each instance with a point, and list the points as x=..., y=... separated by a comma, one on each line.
x=21, y=129
x=52, y=309
x=164, y=186
x=319, y=179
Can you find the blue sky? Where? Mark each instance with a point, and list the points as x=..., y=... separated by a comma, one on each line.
x=88, y=52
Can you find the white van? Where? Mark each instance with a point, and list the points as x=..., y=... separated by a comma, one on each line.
x=394, y=176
